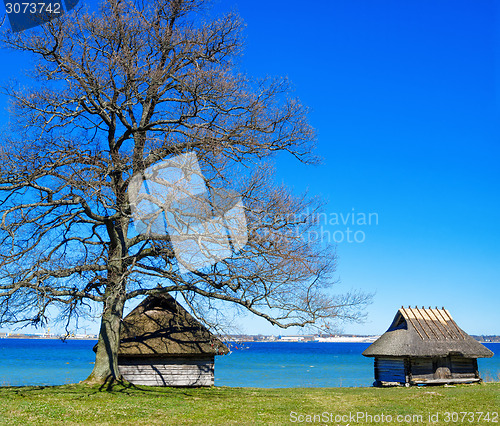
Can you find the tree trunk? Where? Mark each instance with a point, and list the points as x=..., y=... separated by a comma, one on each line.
x=106, y=360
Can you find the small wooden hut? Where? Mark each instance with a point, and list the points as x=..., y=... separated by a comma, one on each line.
x=163, y=345
x=425, y=346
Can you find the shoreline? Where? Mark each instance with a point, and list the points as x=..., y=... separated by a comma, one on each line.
x=234, y=339
x=47, y=338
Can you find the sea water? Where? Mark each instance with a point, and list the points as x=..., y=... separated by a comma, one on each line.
x=288, y=364
x=249, y=364
x=294, y=364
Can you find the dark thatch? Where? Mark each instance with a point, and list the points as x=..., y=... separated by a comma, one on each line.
x=426, y=333
x=159, y=327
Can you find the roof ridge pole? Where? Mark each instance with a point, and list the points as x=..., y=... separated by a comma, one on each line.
x=458, y=328
x=450, y=332
x=447, y=319
x=436, y=321
x=424, y=314
x=419, y=323
x=407, y=317
x=455, y=324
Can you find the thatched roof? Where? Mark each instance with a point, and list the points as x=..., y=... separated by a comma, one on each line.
x=159, y=326
x=423, y=333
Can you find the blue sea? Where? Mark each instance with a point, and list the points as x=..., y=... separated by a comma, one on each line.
x=259, y=364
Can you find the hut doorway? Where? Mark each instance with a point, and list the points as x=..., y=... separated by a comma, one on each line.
x=442, y=368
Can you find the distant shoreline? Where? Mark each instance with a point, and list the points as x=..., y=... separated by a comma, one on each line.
x=47, y=338
x=330, y=340
x=237, y=338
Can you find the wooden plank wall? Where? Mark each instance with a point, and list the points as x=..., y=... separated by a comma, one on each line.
x=425, y=368
x=463, y=367
x=390, y=370
x=422, y=368
x=168, y=372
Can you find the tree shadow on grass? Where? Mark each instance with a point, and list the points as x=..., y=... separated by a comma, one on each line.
x=84, y=390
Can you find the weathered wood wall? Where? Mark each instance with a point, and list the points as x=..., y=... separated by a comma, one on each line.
x=390, y=370
x=425, y=370
x=421, y=368
x=441, y=368
x=184, y=371
x=464, y=367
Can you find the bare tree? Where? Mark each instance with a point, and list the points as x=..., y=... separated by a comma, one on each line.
x=114, y=93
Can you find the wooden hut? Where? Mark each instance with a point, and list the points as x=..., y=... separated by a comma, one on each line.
x=163, y=345
x=425, y=346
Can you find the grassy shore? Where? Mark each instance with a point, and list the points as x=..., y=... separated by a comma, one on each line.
x=80, y=404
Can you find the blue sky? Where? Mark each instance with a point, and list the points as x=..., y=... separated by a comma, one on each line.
x=404, y=97
x=405, y=100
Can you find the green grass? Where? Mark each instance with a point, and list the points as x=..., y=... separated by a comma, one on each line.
x=80, y=404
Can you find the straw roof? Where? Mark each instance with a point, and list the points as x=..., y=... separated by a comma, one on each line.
x=159, y=326
x=420, y=332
